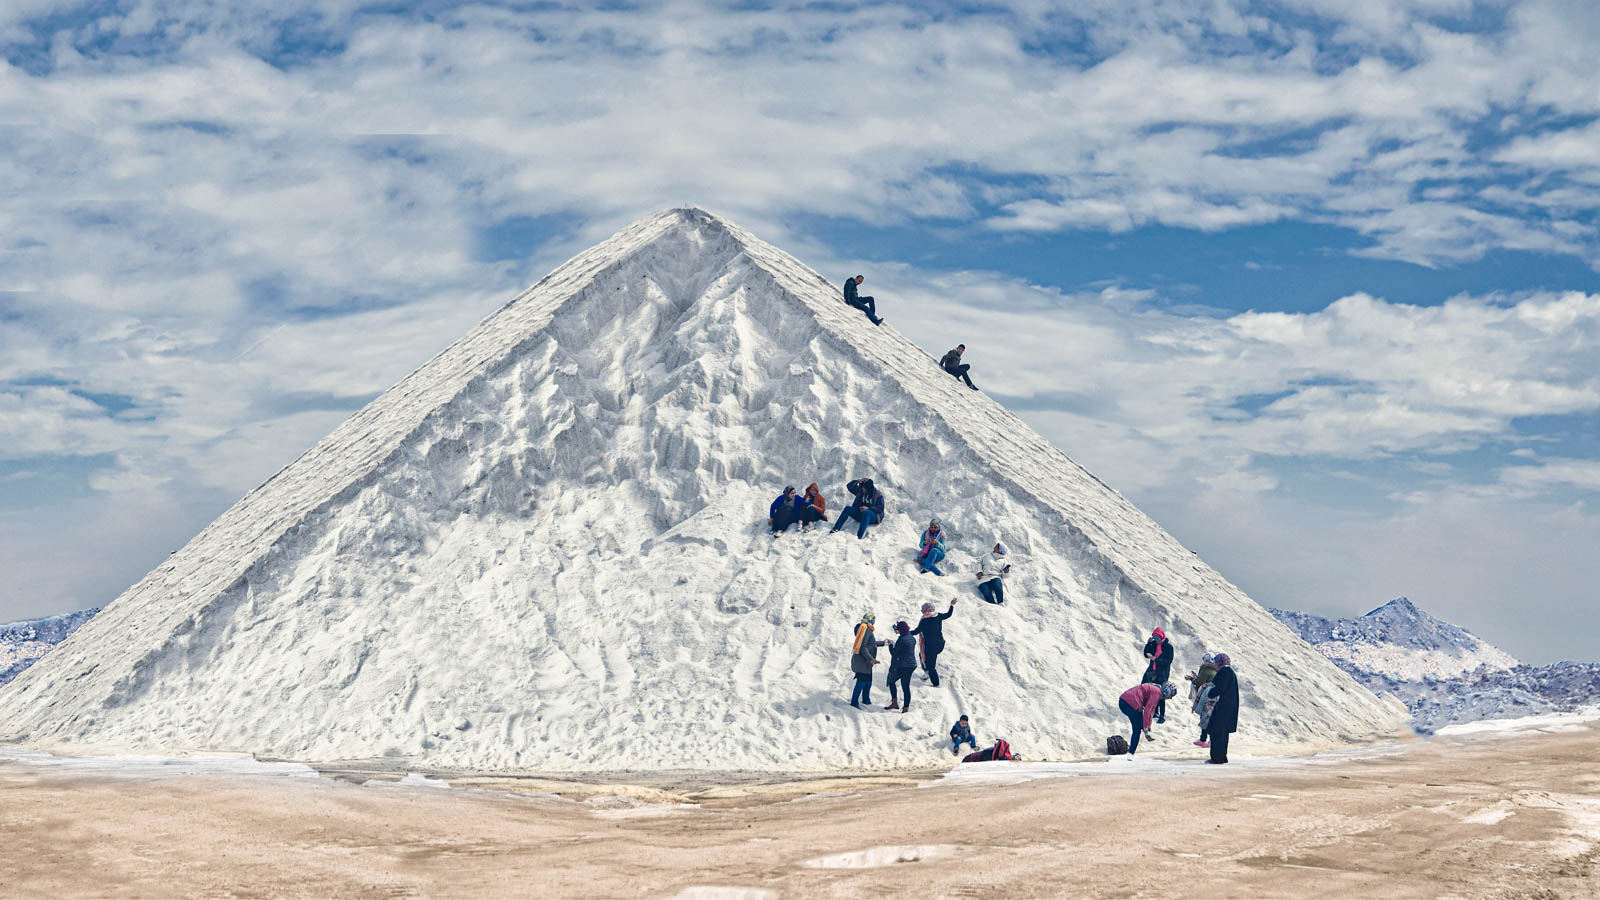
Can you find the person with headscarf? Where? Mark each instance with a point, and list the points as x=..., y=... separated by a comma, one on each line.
x=930, y=631
x=1225, y=715
x=1139, y=704
x=813, y=508
x=863, y=656
x=902, y=662
x=992, y=570
x=1200, y=697
x=784, y=511
x=866, y=506
x=931, y=548
x=1159, y=651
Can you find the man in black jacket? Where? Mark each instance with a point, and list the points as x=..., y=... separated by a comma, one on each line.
x=951, y=362
x=866, y=508
x=865, y=304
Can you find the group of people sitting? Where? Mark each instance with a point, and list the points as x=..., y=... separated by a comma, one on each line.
x=950, y=362
x=866, y=507
x=992, y=568
x=1213, y=696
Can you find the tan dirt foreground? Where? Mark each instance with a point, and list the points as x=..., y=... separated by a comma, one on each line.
x=1489, y=816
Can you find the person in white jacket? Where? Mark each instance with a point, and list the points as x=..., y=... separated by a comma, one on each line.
x=992, y=570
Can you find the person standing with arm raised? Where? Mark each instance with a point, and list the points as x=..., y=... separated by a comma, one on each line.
x=931, y=630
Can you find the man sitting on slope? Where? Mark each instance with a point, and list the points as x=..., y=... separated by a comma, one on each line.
x=951, y=362
x=866, y=508
x=865, y=304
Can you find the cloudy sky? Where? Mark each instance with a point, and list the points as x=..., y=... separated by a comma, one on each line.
x=1314, y=282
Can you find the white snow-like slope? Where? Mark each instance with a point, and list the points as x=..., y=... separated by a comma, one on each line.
x=23, y=643
x=544, y=549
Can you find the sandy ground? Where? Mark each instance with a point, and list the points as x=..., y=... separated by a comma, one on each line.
x=1483, y=816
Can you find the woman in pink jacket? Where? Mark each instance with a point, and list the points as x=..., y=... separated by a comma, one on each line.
x=1139, y=704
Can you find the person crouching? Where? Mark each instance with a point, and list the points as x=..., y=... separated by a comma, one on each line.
x=1139, y=704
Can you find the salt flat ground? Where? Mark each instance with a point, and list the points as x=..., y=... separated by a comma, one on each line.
x=1508, y=814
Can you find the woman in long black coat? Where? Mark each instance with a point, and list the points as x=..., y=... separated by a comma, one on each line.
x=1225, y=715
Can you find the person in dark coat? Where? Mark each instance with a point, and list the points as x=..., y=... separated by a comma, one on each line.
x=866, y=507
x=951, y=362
x=1159, y=651
x=1225, y=715
x=931, y=630
x=785, y=510
x=865, y=304
x=902, y=662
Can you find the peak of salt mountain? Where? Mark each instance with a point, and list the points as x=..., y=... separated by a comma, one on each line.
x=23, y=643
x=546, y=549
x=1442, y=672
x=1401, y=624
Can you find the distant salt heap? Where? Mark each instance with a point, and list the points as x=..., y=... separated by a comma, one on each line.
x=544, y=549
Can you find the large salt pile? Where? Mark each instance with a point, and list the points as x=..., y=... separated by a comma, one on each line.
x=545, y=549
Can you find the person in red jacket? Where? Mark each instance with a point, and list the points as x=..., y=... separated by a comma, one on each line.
x=1139, y=704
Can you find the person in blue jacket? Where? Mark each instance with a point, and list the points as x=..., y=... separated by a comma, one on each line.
x=865, y=304
x=961, y=733
x=785, y=510
x=866, y=507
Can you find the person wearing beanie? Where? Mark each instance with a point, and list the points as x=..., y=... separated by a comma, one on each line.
x=1139, y=703
x=930, y=631
x=1200, y=695
x=1225, y=715
x=961, y=733
x=902, y=662
x=863, y=656
x=992, y=570
x=1159, y=651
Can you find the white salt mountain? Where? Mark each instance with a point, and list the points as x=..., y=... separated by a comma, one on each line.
x=546, y=549
x=1442, y=672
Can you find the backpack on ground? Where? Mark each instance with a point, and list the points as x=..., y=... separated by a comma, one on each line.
x=1000, y=751
x=1116, y=745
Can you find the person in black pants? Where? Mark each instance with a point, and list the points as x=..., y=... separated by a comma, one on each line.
x=951, y=362
x=931, y=628
x=1159, y=651
x=1225, y=715
x=784, y=511
x=865, y=304
x=902, y=662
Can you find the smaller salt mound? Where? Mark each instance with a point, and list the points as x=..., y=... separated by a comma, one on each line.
x=23, y=643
